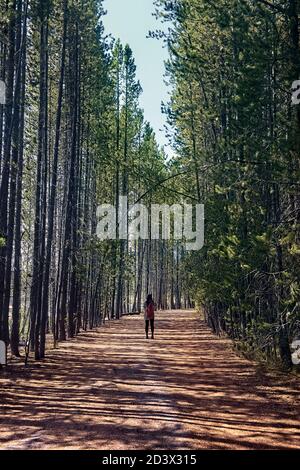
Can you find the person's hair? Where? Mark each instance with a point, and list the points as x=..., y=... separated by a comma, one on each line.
x=149, y=299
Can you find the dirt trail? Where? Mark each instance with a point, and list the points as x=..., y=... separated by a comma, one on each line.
x=112, y=389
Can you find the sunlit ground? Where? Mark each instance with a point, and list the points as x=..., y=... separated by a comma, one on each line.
x=112, y=389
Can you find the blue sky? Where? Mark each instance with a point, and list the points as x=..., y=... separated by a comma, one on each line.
x=130, y=21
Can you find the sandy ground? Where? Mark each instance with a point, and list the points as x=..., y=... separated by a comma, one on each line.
x=112, y=389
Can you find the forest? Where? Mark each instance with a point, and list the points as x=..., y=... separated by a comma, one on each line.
x=73, y=135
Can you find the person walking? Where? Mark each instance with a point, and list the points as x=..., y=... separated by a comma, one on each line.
x=149, y=316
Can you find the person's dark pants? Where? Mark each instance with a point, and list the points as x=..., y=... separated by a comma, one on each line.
x=152, y=327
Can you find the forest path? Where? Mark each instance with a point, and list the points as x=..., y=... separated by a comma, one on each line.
x=112, y=389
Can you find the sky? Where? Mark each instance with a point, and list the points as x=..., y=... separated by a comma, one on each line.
x=130, y=21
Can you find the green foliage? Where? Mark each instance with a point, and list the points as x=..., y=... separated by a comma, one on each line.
x=230, y=64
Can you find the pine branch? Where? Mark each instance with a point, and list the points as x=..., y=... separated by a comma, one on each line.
x=273, y=7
